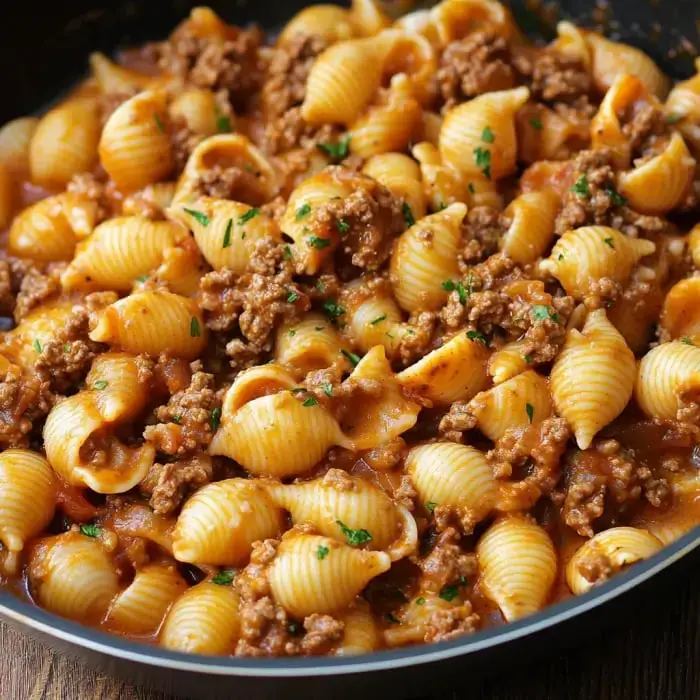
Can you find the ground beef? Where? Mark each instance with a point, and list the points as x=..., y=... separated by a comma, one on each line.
x=12, y=273
x=170, y=483
x=66, y=358
x=321, y=632
x=555, y=77
x=600, y=485
x=34, y=289
x=474, y=65
x=447, y=563
x=368, y=220
x=458, y=420
x=339, y=480
x=418, y=337
x=183, y=141
x=23, y=400
x=448, y=623
x=99, y=194
x=185, y=422
x=646, y=128
x=234, y=183
x=481, y=231
x=595, y=566
x=290, y=130
x=386, y=457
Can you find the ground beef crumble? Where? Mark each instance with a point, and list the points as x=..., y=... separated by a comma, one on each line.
x=34, y=289
x=555, y=77
x=23, y=400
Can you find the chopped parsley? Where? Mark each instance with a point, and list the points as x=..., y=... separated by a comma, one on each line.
x=322, y=552
x=316, y=242
x=224, y=577
x=297, y=390
x=560, y=256
x=227, y=234
x=431, y=506
x=354, y=359
x=243, y=235
x=320, y=286
x=477, y=337
x=223, y=122
x=177, y=419
x=328, y=389
x=354, y=537
x=292, y=333
x=303, y=210
x=287, y=253
x=461, y=293
x=159, y=122
x=392, y=618
x=408, y=215
x=470, y=186
x=336, y=151
x=528, y=359
x=420, y=601
x=142, y=278
x=342, y=225
x=294, y=628
x=198, y=216
x=195, y=328
x=250, y=214
x=215, y=419
x=91, y=530
x=66, y=347
x=617, y=199
x=37, y=345
x=530, y=410
x=542, y=313
x=449, y=286
x=319, y=328
x=377, y=320
x=100, y=384
x=536, y=124
x=687, y=341
x=581, y=187
x=487, y=135
x=332, y=309
x=609, y=242
x=673, y=118
x=310, y=401
x=482, y=158
x=449, y=593
x=292, y=296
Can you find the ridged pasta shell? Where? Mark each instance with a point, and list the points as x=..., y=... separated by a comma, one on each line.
x=72, y=575
x=151, y=323
x=231, y=231
x=610, y=58
x=27, y=497
x=620, y=546
x=203, y=620
x=15, y=137
x=455, y=19
x=182, y=269
x=342, y=81
x=356, y=504
x=415, y=57
x=455, y=371
x=684, y=102
x=401, y=175
x=116, y=390
x=694, y=244
x=521, y=401
x=367, y=17
x=543, y=134
x=65, y=143
x=308, y=344
x=593, y=377
x=461, y=144
x=424, y=257
x=507, y=362
x=313, y=574
x=660, y=184
x=665, y=373
x=330, y=22
x=532, y=225
x=277, y=436
x=198, y=110
x=256, y=382
x=453, y=475
x=218, y=525
x=376, y=321
x=8, y=196
x=119, y=251
x=592, y=252
x=135, y=147
x=361, y=633
x=42, y=232
x=141, y=607
x=681, y=310
x=518, y=564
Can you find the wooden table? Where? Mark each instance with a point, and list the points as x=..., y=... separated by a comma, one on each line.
x=656, y=656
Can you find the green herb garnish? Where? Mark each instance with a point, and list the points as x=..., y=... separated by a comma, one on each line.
x=354, y=538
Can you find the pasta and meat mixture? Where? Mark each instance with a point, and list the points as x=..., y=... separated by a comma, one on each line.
x=377, y=333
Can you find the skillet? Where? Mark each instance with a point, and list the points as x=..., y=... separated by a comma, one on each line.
x=44, y=52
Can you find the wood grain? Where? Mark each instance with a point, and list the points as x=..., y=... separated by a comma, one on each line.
x=655, y=656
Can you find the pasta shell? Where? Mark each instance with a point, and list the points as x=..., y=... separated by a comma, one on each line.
x=454, y=372
x=376, y=320
x=660, y=184
x=276, y=435
x=198, y=110
x=424, y=257
x=72, y=575
x=361, y=633
x=219, y=524
x=135, y=148
x=181, y=270
x=309, y=344
x=8, y=196
x=521, y=401
x=507, y=362
x=354, y=502
x=255, y=383
x=593, y=252
x=401, y=175
x=153, y=322
x=65, y=143
x=42, y=232
x=113, y=78
x=330, y=22
x=666, y=373
x=119, y=251
x=27, y=497
x=681, y=310
x=15, y=137
x=518, y=565
x=620, y=546
x=593, y=377
x=226, y=232
x=367, y=17
x=478, y=137
x=683, y=103
x=694, y=244
x=342, y=81
x=543, y=134
x=313, y=574
x=140, y=608
x=531, y=230
x=203, y=620
x=455, y=19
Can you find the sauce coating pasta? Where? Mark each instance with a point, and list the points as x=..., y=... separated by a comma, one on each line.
x=377, y=333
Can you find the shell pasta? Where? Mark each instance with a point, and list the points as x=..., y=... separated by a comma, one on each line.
x=373, y=331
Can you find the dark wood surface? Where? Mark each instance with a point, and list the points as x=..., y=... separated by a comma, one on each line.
x=653, y=655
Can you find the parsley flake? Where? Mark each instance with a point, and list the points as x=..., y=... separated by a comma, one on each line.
x=449, y=593
x=377, y=320
x=198, y=216
x=316, y=242
x=420, y=601
x=477, y=337
x=530, y=410
x=408, y=215
x=195, y=328
x=336, y=151
x=177, y=419
x=687, y=341
x=342, y=225
x=215, y=419
x=90, y=530
x=310, y=401
x=295, y=629
x=223, y=122
x=487, y=135
x=536, y=124
x=322, y=552
x=354, y=359
x=528, y=359
x=471, y=188
x=250, y=214
x=673, y=118
x=617, y=199
x=328, y=389
x=142, y=278
x=482, y=158
x=227, y=234
x=431, y=506
x=292, y=296
x=609, y=242
x=302, y=211
x=581, y=187
x=332, y=309
x=461, y=293
x=354, y=538
x=159, y=122
x=287, y=253
x=392, y=618
x=66, y=347
x=560, y=256
x=37, y=345
x=100, y=384
x=542, y=313
x=224, y=577
x=292, y=333
x=449, y=286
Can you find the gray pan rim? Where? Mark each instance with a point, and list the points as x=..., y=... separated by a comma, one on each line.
x=19, y=611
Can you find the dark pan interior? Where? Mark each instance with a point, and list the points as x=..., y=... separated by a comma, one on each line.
x=44, y=48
